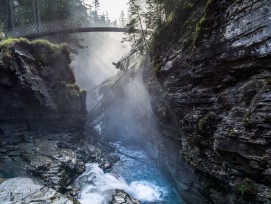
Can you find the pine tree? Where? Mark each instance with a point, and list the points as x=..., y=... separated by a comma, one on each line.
x=138, y=40
x=122, y=20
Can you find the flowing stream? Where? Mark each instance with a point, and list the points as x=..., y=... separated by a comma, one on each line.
x=127, y=120
x=141, y=178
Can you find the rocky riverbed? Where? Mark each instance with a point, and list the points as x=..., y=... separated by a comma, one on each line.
x=42, y=119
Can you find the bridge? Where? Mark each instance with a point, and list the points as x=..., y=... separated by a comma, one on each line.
x=41, y=28
x=66, y=26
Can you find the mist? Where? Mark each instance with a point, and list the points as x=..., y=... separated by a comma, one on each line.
x=121, y=112
x=93, y=64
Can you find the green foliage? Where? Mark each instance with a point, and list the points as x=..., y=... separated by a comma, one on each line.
x=72, y=89
x=268, y=81
x=214, y=184
x=188, y=5
x=246, y=188
x=37, y=43
x=209, y=3
x=42, y=50
x=200, y=23
x=49, y=10
x=53, y=47
x=9, y=41
x=201, y=123
x=5, y=44
x=246, y=119
x=198, y=30
x=156, y=15
x=2, y=35
x=205, y=121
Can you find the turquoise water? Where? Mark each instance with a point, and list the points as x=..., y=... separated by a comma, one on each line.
x=135, y=173
x=146, y=170
x=10, y=168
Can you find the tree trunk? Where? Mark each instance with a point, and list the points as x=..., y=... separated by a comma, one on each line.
x=36, y=13
x=9, y=14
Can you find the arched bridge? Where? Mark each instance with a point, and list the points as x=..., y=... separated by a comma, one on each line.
x=57, y=27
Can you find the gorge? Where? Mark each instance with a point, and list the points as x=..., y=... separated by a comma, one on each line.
x=187, y=120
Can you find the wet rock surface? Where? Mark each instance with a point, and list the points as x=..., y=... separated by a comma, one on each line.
x=40, y=106
x=121, y=197
x=216, y=87
x=39, y=90
x=42, y=119
x=26, y=190
x=56, y=166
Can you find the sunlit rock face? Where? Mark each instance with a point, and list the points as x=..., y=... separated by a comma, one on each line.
x=213, y=88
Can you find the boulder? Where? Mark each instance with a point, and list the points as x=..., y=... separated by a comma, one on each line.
x=27, y=190
x=121, y=197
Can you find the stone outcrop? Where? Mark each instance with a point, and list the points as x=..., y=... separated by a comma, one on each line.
x=210, y=85
x=38, y=88
x=56, y=166
x=42, y=113
x=42, y=122
x=121, y=197
x=26, y=190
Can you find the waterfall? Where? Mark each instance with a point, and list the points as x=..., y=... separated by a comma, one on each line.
x=98, y=187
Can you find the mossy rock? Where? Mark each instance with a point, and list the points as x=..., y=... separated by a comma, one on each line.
x=73, y=90
x=206, y=121
x=44, y=51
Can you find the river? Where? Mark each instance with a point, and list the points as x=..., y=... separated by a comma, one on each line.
x=135, y=172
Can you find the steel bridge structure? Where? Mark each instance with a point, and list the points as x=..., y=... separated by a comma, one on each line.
x=66, y=26
x=39, y=28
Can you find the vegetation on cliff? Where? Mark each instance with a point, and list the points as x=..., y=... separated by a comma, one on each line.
x=44, y=69
x=43, y=50
x=213, y=65
x=18, y=13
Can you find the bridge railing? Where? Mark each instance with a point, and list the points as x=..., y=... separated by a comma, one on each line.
x=60, y=25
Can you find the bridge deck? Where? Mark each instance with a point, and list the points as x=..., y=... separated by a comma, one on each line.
x=64, y=27
x=78, y=30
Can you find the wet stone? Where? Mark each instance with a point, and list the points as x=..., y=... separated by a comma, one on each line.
x=26, y=190
x=121, y=197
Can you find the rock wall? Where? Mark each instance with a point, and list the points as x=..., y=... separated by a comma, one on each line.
x=210, y=87
x=38, y=89
x=42, y=113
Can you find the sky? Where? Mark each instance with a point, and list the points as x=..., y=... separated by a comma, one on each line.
x=113, y=7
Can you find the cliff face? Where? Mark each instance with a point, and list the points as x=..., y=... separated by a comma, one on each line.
x=42, y=113
x=38, y=89
x=210, y=82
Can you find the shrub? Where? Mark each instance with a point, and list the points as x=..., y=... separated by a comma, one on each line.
x=2, y=35
x=245, y=187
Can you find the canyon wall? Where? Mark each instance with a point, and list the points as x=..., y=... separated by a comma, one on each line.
x=209, y=81
x=42, y=115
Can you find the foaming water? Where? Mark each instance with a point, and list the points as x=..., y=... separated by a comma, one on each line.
x=140, y=178
x=97, y=187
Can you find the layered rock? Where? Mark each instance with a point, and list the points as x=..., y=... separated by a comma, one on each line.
x=121, y=197
x=38, y=88
x=213, y=95
x=26, y=190
x=42, y=113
